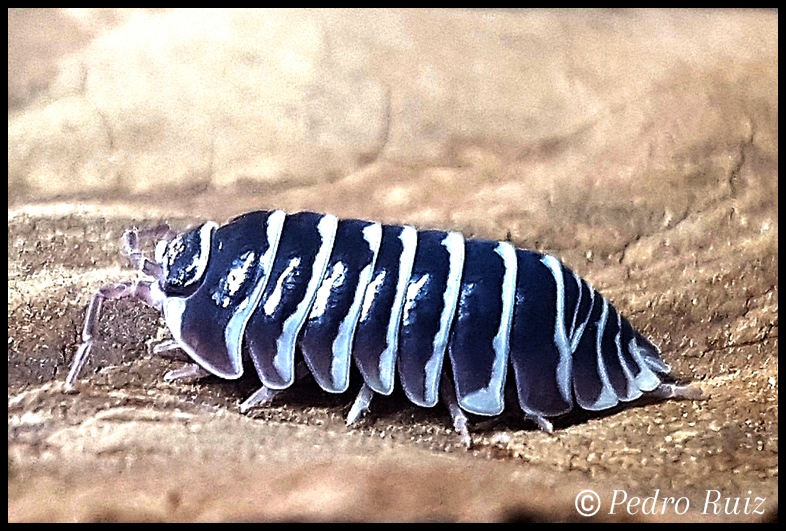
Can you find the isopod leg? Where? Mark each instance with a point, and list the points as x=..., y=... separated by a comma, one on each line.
x=189, y=371
x=263, y=396
x=542, y=423
x=260, y=398
x=139, y=290
x=460, y=421
x=678, y=392
x=170, y=349
x=361, y=405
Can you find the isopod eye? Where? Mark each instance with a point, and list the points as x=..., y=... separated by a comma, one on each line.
x=184, y=260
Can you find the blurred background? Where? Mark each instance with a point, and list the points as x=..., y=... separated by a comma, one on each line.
x=640, y=146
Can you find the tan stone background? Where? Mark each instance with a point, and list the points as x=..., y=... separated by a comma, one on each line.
x=641, y=147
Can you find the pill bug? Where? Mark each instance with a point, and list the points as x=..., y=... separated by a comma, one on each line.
x=306, y=293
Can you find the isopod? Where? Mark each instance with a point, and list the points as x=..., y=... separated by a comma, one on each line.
x=307, y=293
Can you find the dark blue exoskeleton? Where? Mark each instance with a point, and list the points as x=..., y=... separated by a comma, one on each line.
x=450, y=315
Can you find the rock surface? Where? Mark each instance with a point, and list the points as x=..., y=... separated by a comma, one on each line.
x=641, y=147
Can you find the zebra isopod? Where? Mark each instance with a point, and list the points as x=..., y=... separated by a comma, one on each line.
x=457, y=320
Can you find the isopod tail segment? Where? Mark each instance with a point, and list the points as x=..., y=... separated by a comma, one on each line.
x=447, y=317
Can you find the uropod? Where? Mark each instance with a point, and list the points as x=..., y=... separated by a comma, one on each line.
x=453, y=320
